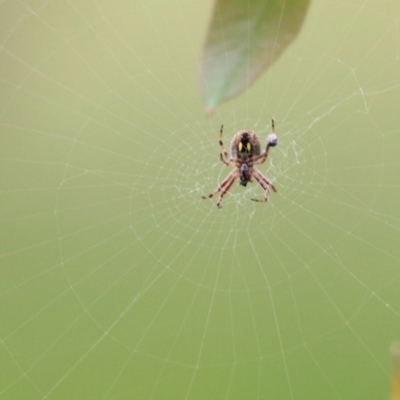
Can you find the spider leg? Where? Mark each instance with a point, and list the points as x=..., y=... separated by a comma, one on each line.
x=221, y=144
x=223, y=187
x=265, y=183
x=261, y=158
x=225, y=190
x=272, y=142
x=227, y=163
x=265, y=180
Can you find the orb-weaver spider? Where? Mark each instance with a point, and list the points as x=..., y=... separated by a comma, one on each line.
x=245, y=153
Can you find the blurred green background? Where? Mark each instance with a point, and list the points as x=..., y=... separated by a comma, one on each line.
x=119, y=282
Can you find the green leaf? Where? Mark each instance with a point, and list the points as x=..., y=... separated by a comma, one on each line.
x=244, y=38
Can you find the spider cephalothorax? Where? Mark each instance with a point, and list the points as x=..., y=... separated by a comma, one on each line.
x=245, y=153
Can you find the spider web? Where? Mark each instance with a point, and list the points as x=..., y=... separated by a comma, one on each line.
x=120, y=282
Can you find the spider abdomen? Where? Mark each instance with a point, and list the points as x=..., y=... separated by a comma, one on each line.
x=245, y=144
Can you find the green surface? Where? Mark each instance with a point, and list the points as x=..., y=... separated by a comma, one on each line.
x=119, y=282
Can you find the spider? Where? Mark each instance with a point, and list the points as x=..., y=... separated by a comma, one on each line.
x=245, y=153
